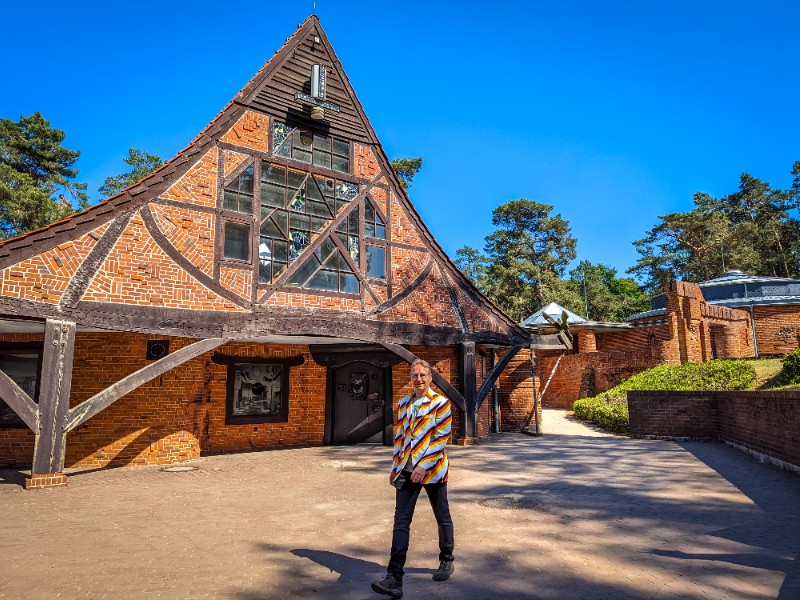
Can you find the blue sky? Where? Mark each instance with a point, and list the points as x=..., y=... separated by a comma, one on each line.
x=613, y=112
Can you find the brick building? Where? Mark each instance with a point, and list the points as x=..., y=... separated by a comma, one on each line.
x=265, y=288
x=684, y=327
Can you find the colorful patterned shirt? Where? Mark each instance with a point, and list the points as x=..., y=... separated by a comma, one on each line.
x=420, y=439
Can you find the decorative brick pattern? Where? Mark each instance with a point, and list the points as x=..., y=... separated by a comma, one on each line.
x=199, y=184
x=309, y=300
x=366, y=165
x=402, y=229
x=407, y=265
x=191, y=232
x=45, y=277
x=478, y=318
x=138, y=272
x=250, y=131
x=428, y=304
x=379, y=196
x=233, y=160
x=239, y=281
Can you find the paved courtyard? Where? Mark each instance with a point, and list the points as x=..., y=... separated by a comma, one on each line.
x=574, y=514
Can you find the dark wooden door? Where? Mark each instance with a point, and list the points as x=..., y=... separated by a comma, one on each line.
x=358, y=403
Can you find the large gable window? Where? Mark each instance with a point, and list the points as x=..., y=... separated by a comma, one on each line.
x=310, y=148
x=295, y=208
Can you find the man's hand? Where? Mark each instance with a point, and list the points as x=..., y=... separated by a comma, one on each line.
x=391, y=478
x=418, y=474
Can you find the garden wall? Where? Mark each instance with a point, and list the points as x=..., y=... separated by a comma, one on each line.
x=766, y=424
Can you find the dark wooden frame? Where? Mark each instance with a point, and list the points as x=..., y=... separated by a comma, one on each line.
x=30, y=347
x=232, y=362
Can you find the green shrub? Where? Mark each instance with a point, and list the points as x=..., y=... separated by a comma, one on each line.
x=610, y=409
x=790, y=371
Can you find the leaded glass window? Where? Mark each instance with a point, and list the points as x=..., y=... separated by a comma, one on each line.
x=295, y=208
x=373, y=224
x=22, y=366
x=310, y=148
x=239, y=193
x=326, y=269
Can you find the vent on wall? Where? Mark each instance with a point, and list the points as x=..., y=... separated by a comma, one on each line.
x=157, y=349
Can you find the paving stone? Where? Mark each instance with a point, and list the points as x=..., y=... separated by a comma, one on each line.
x=577, y=514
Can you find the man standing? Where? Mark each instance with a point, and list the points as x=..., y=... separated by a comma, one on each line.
x=420, y=435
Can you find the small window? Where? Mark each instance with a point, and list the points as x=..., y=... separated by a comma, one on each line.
x=239, y=193
x=373, y=224
x=376, y=262
x=21, y=362
x=257, y=393
x=237, y=241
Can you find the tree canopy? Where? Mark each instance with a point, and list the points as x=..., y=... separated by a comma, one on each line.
x=36, y=176
x=141, y=163
x=754, y=229
x=406, y=169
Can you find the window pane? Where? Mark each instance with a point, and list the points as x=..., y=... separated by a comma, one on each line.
x=294, y=181
x=341, y=148
x=230, y=200
x=380, y=232
x=257, y=390
x=324, y=280
x=299, y=241
x=376, y=266
x=322, y=159
x=319, y=209
x=280, y=251
x=246, y=180
x=298, y=221
x=322, y=144
x=346, y=190
x=318, y=224
x=268, y=228
x=348, y=283
x=237, y=241
x=326, y=249
x=369, y=211
x=273, y=195
x=306, y=270
x=298, y=204
x=264, y=268
x=340, y=164
x=246, y=204
x=273, y=174
x=279, y=133
x=369, y=229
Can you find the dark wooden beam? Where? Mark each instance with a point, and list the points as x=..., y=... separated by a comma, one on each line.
x=466, y=369
x=88, y=408
x=452, y=393
x=54, y=388
x=407, y=291
x=494, y=374
x=19, y=402
x=94, y=260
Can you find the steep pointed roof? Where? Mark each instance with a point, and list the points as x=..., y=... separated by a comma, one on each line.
x=141, y=210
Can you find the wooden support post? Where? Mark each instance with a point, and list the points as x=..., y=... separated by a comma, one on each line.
x=469, y=389
x=54, y=388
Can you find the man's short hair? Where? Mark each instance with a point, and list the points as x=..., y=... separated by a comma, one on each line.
x=423, y=363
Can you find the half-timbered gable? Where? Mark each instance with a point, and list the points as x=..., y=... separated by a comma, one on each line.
x=277, y=249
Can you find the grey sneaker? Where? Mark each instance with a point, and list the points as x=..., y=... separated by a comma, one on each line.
x=389, y=586
x=444, y=571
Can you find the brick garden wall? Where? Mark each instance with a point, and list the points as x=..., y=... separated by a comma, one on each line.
x=777, y=329
x=765, y=423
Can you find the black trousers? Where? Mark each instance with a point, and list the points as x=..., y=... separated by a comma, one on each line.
x=405, y=502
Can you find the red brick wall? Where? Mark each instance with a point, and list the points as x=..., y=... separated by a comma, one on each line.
x=586, y=375
x=516, y=393
x=763, y=422
x=177, y=415
x=777, y=329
